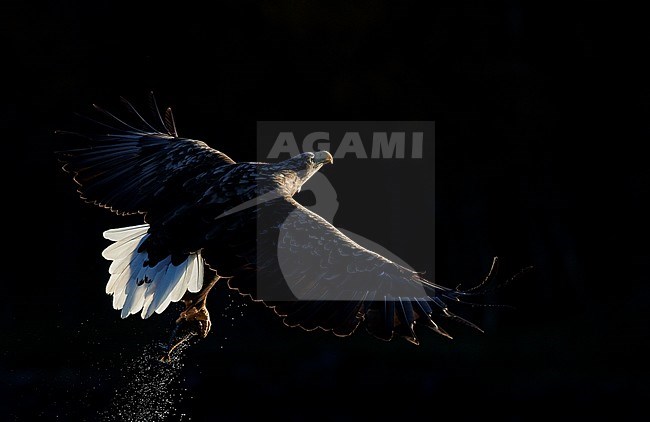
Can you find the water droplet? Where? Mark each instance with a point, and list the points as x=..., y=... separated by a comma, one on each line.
x=150, y=389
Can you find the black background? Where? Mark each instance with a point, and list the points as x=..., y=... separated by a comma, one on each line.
x=540, y=115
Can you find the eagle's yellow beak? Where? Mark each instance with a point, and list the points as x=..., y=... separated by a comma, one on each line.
x=323, y=157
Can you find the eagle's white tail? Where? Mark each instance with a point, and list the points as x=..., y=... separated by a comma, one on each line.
x=135, y=286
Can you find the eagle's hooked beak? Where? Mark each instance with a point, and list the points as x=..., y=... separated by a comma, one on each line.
x=323, y=157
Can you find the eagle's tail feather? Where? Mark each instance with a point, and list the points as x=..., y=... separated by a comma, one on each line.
x=136, y=285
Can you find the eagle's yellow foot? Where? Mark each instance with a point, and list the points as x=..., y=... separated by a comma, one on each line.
x=193, y=321
x=197, y=316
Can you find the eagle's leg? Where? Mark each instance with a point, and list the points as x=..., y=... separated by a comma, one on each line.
x=196, y=309
x=193, y=321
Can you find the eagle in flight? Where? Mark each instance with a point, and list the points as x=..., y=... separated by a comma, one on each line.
x=208, y=218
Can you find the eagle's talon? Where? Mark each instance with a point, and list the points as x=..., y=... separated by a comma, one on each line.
x=197, y=318
x=193, y=321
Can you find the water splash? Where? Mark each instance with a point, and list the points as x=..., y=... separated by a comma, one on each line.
x=233, y=309
x=151, y=389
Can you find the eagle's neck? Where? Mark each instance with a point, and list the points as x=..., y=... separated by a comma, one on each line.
x=285, y=178
x=288, y=182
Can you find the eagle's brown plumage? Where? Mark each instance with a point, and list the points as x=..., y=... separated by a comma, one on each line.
x=240, y=220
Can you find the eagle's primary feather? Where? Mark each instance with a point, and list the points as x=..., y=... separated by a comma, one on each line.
x=202, y=209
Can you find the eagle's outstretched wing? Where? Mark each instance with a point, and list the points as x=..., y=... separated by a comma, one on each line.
x=129, y=170
x=314, y=276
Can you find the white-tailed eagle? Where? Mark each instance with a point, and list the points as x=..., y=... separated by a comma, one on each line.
x=207, y=217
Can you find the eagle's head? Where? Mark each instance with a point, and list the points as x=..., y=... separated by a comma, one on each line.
x=297, y=170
